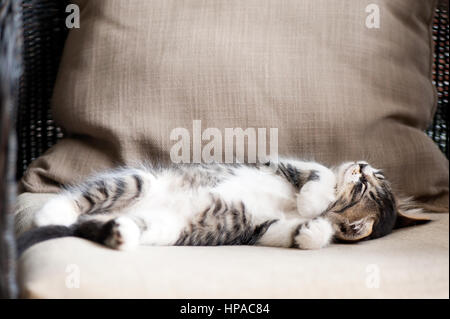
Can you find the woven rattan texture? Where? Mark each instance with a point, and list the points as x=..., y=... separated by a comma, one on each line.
x=44, y=36
x=438, y=131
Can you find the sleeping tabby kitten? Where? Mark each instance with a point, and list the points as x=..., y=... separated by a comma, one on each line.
x=289, y=203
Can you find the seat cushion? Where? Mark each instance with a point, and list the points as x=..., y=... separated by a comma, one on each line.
x=409, y=263
x=137, y=74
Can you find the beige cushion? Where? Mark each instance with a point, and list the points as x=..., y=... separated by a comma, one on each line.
x=335, y=89
x=410, y=263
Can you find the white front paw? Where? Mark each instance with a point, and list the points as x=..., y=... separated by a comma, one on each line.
x=315, y=234
x=58, y=211
x=314, y=198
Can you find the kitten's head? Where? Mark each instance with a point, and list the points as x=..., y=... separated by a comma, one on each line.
x=365, y=207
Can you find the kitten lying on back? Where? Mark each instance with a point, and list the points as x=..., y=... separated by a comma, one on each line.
x=289, y=203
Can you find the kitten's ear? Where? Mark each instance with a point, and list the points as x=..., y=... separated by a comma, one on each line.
x=356, y=230
x=404, y=220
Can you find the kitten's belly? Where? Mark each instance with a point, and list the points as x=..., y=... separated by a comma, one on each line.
x=169, y=210
x=265, y=196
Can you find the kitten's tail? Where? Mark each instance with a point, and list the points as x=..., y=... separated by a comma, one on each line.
x=37, y=235
x=92, y=230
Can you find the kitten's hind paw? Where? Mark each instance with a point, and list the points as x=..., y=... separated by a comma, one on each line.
x=123, y=234
x=57, y=211
x=315, y=234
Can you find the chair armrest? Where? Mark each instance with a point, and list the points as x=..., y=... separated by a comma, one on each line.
x=10, y=65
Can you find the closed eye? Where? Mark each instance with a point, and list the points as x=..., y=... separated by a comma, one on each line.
x=364, y=188
x=362, y=185
x=379, y=175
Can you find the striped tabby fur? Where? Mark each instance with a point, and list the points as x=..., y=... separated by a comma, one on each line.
x=289, y=203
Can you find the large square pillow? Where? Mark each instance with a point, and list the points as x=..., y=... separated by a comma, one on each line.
x=334, y=80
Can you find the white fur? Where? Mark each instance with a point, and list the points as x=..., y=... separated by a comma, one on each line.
x=167, y=207
x=315, y=235
x=60, y=210
x=316, y=196
x=126, y=234
x=280, y=233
